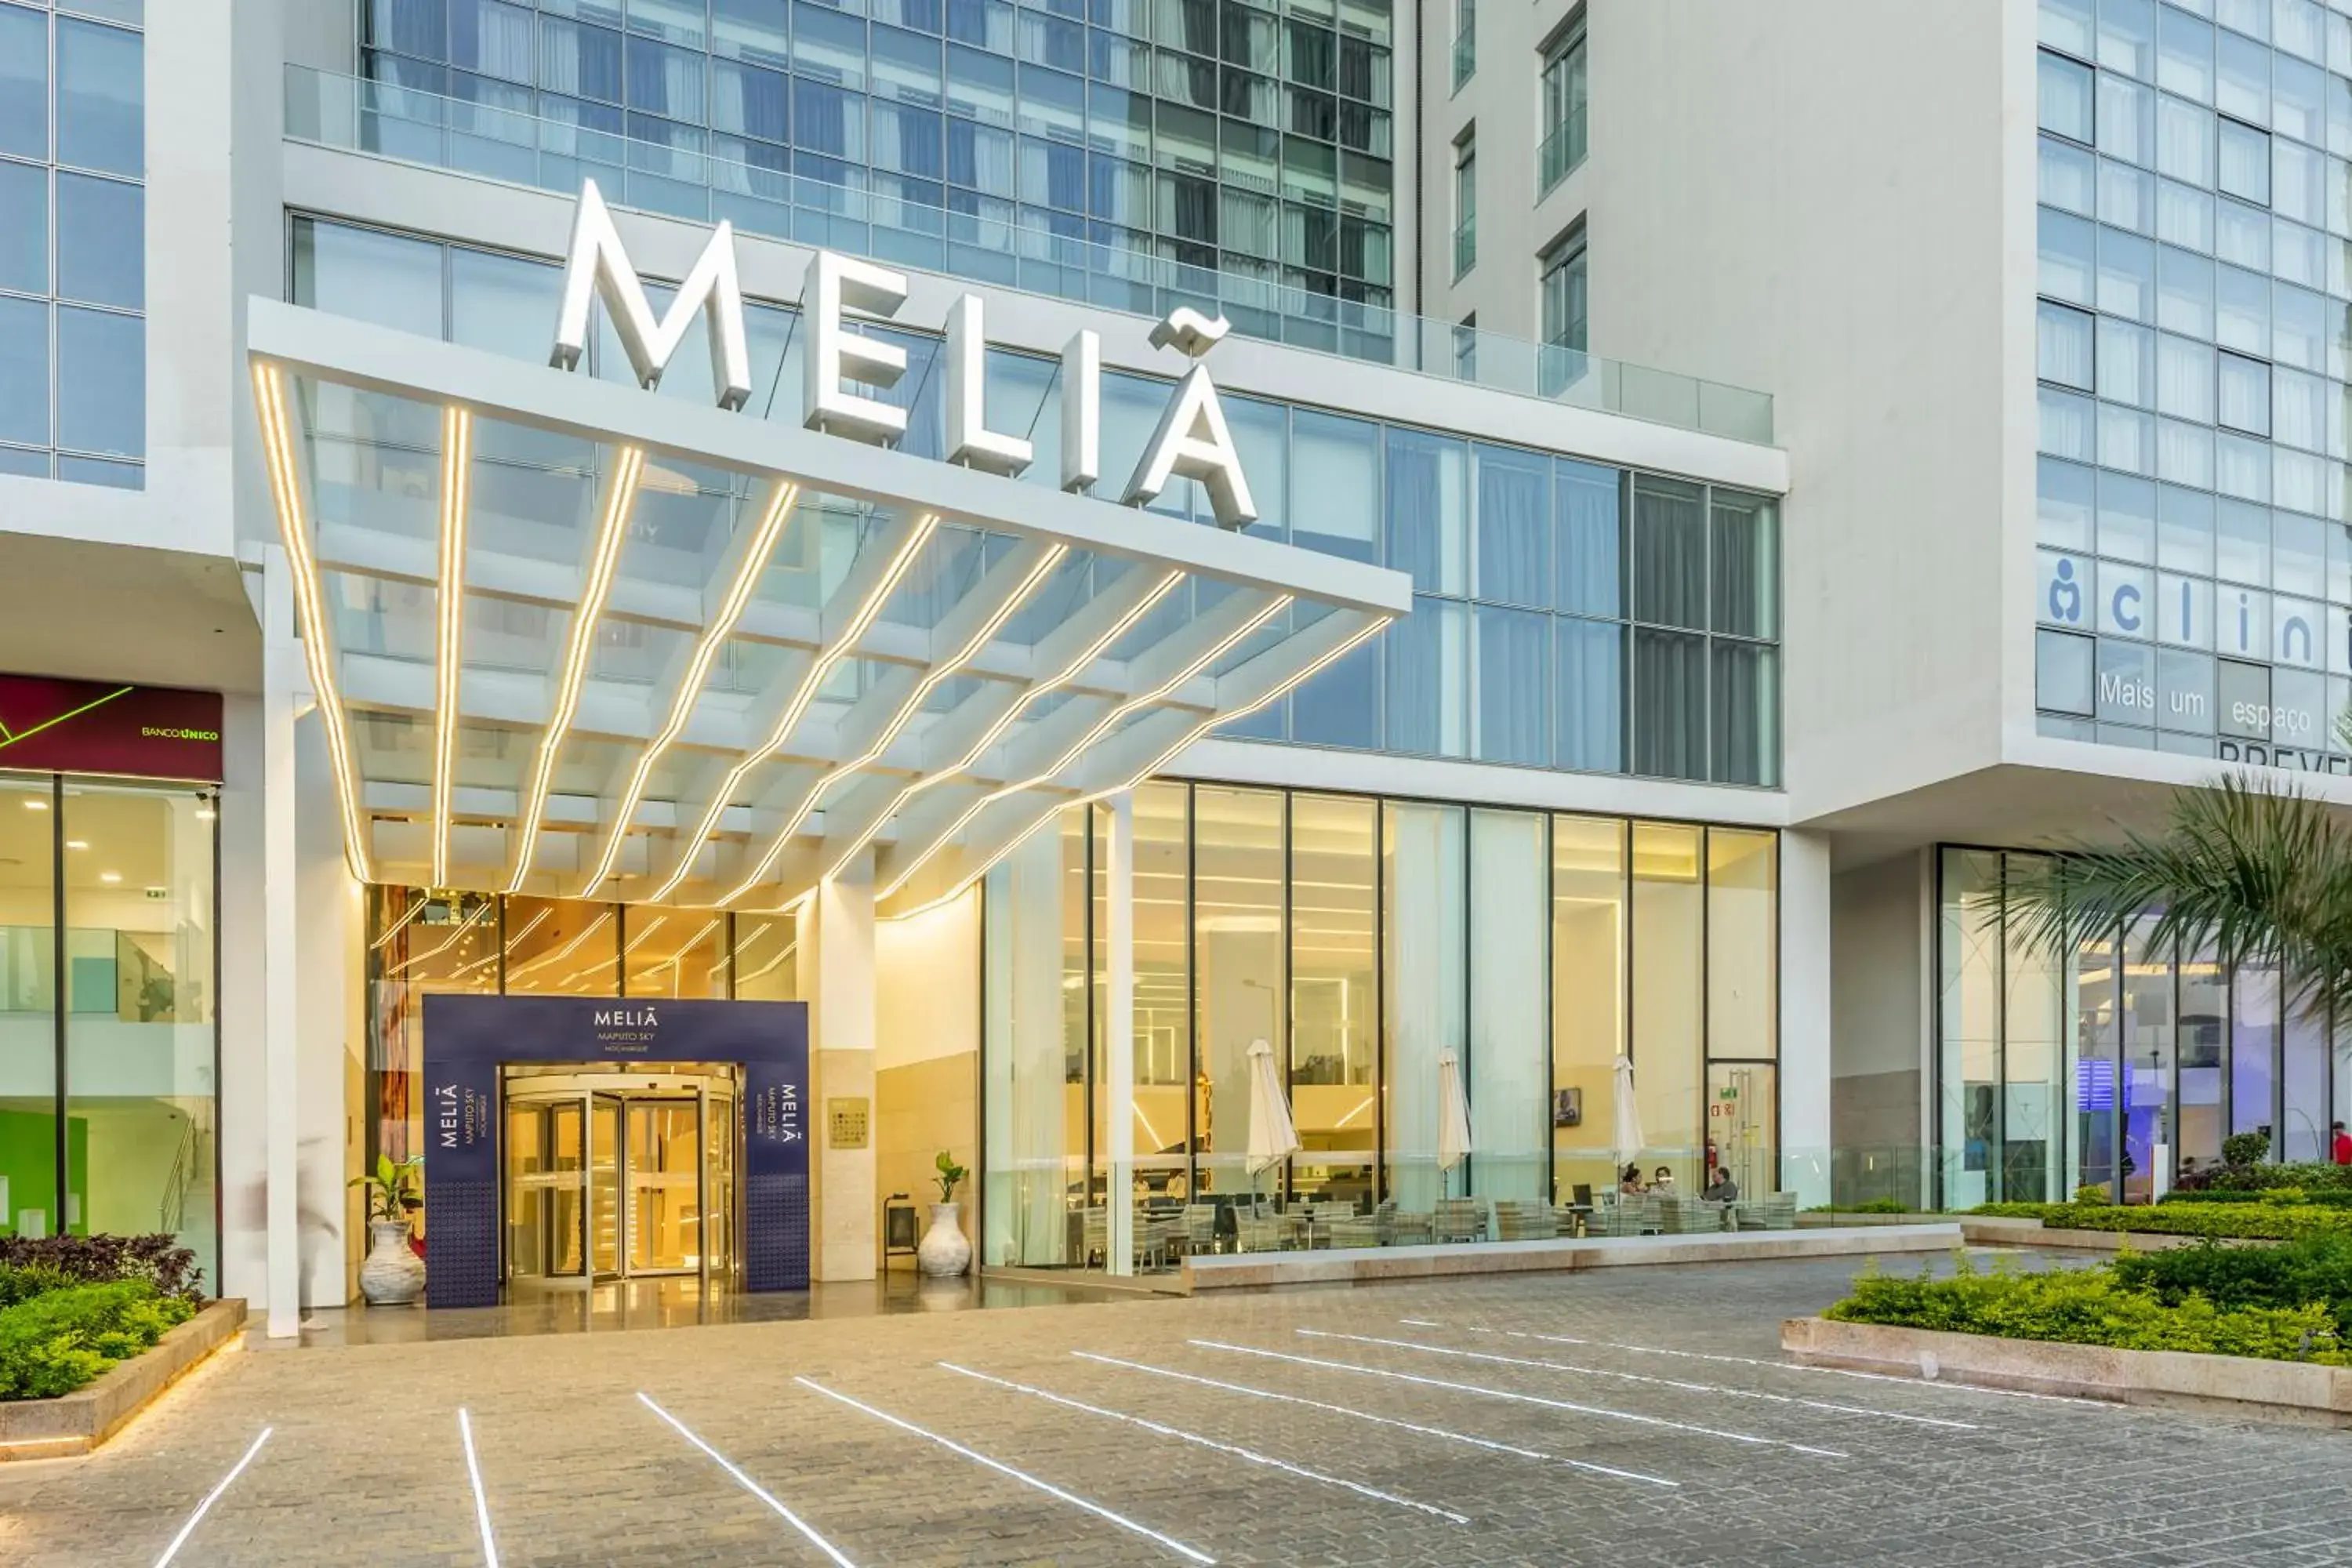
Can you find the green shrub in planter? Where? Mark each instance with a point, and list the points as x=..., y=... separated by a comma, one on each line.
x=52, y=1343
x=2246, y=1220
x=2090, y=1193
x=2316, y=1271
x=2245, y=1149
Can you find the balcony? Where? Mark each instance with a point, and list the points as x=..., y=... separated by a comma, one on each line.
x=1466, y=247
x=348, y=113
x=1466, y=56
x=1562, y=151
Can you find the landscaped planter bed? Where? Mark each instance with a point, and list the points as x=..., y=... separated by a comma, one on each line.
x=78, y=1422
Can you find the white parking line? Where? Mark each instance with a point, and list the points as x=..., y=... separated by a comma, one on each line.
x=748, y=1485
x=1237, y=1450
x=1748, y=1438
x=1799, y=1366
x=211, y=1498
x=481, y=1503
x=1676, y=1383
x=1024, y=1477
x=1487, y=1443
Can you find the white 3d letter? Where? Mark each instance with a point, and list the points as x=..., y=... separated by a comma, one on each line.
x=598, y=266
x=836, y=283
x=970, y=440
x=1192, y=439
x=1082, y=412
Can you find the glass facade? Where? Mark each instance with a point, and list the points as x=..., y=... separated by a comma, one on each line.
x=2194, y=590
x=73, y=286
x=1361, y=939
x=1255, y=140
x=2113, y=1068
x=108, y=1038
x=1566, y=615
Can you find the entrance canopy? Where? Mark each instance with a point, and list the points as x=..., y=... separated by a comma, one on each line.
x=572, y=638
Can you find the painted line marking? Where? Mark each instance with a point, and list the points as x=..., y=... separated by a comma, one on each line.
x=1251, y=1455
x=748, y=1485
x=1748, y=1438
x=1486, y=1443
x=1024, y=1477
x=211, y=1498
x=481, y=1503
x=1691, y=1387
x=1799, y=1366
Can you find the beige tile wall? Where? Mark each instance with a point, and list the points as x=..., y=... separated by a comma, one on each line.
x=920, y=1109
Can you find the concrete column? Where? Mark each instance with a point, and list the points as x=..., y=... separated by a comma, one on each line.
x=283, y=688
x=837, y=945
x=1118, y=1034
x=1805, y=993
x=331, y=938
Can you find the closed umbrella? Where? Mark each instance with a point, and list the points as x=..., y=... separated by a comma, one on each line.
x=1629, y=1137
x=1453, y=1112
x=1272, y=1136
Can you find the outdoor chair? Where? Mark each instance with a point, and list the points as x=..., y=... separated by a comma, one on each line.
x=1406, y=1227
x=1460, y=1219
x=1774, y=1211
x=1256, y=1232
x=1515, y=1221
x=1358, y=1230
x=1623, y=1217
x=1200, y=1228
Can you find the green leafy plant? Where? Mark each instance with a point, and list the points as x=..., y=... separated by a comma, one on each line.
x=950, y=1173
x=53, y=1342
x=2246, y=1148
x=391, y=1190
x=2245, y=1221
x=2090, y=1193
x=1880, y=1206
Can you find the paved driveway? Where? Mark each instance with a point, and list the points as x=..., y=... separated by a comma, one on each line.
x=1623, y=1417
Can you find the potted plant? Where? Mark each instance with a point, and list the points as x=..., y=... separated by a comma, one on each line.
x=944, y=1252
x=392, y=1276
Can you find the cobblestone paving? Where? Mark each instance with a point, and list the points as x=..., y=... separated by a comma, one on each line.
x=1478, y=1456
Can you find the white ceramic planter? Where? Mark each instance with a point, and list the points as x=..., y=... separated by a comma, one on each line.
x=392, y=1276
x=944, y=1252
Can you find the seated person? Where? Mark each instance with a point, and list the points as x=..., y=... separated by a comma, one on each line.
x=1665, y=1183
x=1630, y=1181
x=1721, y=1188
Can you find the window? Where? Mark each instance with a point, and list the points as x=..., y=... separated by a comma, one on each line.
x=1563, y=93
x=1563, y=305
x=1465, y=41
x=73, y=287
x=1465, y=204
x=2064, y=97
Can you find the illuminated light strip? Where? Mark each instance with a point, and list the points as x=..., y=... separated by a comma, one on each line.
x=619, y=502
x=938, y=676
x=1102, y=727
x=1707, y=1387
x=1195, y=734
x=1024, y=1477
x=820, y=667
x=754, y=566
x=1250, y=1455
x=454, y=937
x=277, y=449
x=211, y=1498
x=402, y=923
x=1487, y=1443
x=748, y=1485
x=1004, y=722
x=691, y=945
x=481, y=1502
x=512, y=942
x=456, y=467
x=566, y=951
x=1748, y=1438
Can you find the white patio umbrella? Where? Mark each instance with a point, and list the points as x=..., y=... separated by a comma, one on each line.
x=1273, y=1137
x=1628, y=1139
x=1453, y=1112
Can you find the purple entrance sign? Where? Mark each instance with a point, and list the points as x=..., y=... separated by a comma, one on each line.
x=467, y=1038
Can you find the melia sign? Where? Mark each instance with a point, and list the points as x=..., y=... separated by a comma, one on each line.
x=1193, y=440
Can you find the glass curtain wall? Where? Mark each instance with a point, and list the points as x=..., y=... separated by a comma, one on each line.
x=1363, y=940
x=2118, y=1066
x=108, y=1038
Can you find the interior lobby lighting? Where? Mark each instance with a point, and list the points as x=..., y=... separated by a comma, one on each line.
x=619, y=499
x=747, y=572
x=35, y=803
x=110, y=877
x=448, y=653
x=566, y=951
x=77, y=843
x=835, y=650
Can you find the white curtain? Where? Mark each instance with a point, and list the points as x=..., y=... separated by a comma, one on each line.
x=1424, y=962
x=1508, y=1078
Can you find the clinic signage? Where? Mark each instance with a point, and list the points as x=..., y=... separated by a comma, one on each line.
x=467, y=1039
x=108, y=726
x=1192, y=439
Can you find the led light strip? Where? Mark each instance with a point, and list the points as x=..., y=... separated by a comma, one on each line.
x=1102, y=727
x=754, y=566
x=619, y=499
x=821, y=667
x=211, y=1498
x=561, y=954
x=1280, y=689
x=456, y=467
x=277, y=449
x=938, y=676
x=512, y=942
x=436, y=951
x=401, y=924
x=675, y=959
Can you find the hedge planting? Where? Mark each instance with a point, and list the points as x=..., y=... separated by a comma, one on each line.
x=2249, y=1220
x=2309, y=1175
x=54, y=1342
x=2326, y=1197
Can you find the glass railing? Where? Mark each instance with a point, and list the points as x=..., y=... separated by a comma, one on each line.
x=1465, y=57
x=1562, y=150
x=358, y=115
x=1466, y=245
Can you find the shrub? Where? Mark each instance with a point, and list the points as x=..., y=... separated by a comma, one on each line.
x=158, y=1259
x=2247, y=1220
x=2316, y=1271
x=2326, y=1197
x=2092, y=1307
x=2310, y=1176
x=1880, y=1206
x=2090, y=1193
x=33, y=1279
x=52, y=1343
x=2246, y=1148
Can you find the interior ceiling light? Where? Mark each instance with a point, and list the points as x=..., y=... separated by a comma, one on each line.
x=109, y=875
x=747, y=572
x=36, y=804
x=77, y=843
x=448, y=653
x=619, y=498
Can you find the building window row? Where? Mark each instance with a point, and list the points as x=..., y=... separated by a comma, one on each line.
x=1561, y=92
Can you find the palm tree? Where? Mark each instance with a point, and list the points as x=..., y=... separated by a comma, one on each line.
x=2252, y=874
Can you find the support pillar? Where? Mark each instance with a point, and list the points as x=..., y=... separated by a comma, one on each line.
x=837, y=947
x=1805, y=993
x=1119, y=1035
x=284, y=686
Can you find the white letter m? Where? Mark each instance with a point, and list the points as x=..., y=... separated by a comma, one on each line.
x=598, y=266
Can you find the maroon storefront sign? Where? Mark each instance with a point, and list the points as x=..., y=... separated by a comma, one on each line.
x=105, y=727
